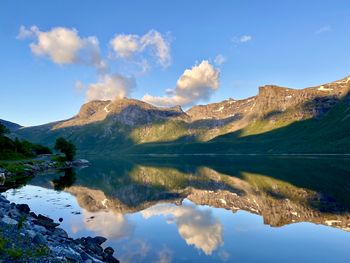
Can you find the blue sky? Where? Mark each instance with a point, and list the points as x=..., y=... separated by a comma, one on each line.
x=289, y=43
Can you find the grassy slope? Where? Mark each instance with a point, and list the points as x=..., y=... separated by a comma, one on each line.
x=331, y=134
x=277, y=135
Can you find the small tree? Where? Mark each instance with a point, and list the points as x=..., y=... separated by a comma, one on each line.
x=66, y=147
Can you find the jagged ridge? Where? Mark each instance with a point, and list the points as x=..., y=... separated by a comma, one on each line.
x=125, y=122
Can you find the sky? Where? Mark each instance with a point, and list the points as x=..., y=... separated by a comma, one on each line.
x=57, y=55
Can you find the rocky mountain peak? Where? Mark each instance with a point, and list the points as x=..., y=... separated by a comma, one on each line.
x=126, y=111
x=91, y=108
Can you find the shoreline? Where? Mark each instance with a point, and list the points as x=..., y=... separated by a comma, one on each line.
x=27, y=237
x=21, y=169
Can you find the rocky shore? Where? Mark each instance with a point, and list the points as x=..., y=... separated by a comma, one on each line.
x=27, y=237
x=42, y=164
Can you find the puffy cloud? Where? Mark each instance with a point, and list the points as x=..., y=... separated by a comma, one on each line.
x=195, y=84
x=64, y=46
x=160, y=46
x=197, y=227
x=110, y=86
x=219, y=60
x=127, y=46
x=60, y=44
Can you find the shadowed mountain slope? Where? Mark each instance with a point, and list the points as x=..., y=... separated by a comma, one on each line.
x=277, y=120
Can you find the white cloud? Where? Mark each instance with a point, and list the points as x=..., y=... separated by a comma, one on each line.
x=195, y=84
x=125, y=45
x=219, y=60
x=64, y=46
x=160, y=46
x=109, y=224
x=242, y=39
x=197, y=227
x=128, y=46
x=324, y=29
x=109, y=87
x=60, y=44
x=25, y=33
x=245, y=38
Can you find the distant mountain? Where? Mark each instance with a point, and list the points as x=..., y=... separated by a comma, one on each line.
x=278, y=119
x=10, y=125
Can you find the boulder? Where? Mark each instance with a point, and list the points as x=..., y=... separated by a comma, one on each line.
x=39, y=239
x=9, y=220
x=24, y=208
x=60, y=232
x=45, y=222
x=99, y=240
x=109, y=250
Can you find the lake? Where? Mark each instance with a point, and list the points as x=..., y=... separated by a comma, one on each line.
x=203, y=209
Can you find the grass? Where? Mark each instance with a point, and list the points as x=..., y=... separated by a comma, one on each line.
x=21, y=221
x=327, y=135
x=165, y=131
x=9, y=249
x=13, y=166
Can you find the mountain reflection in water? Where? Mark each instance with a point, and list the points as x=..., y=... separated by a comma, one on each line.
x=111, y=194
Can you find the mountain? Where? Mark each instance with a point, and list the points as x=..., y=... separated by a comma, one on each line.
x=277, y=120
x=10, y=125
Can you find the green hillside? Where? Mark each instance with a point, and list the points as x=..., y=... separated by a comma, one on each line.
x=330, y=134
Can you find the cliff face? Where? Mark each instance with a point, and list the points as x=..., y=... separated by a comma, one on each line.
x=272, y=99
x=310, y=102
x=222, y=110
x=125, y=111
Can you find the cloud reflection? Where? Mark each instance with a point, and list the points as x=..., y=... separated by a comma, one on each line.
x=197, y=227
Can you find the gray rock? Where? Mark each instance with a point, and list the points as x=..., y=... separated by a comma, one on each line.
x=33, y=215
x=39, y=239
x=45, y=222
x=4, y=200
x=40, y=229
x=14, y=213
x=70, y=254
x=99, y=240
x=84, y=256
x=60, y=232
x=24, y=208
x=109, y=250
x=9, y=220
x=95, y=248
x=31, y=233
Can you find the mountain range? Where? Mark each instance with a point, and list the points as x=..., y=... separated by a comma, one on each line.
x=277, y=120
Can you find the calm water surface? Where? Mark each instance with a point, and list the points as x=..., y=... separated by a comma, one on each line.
x=203, y=210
